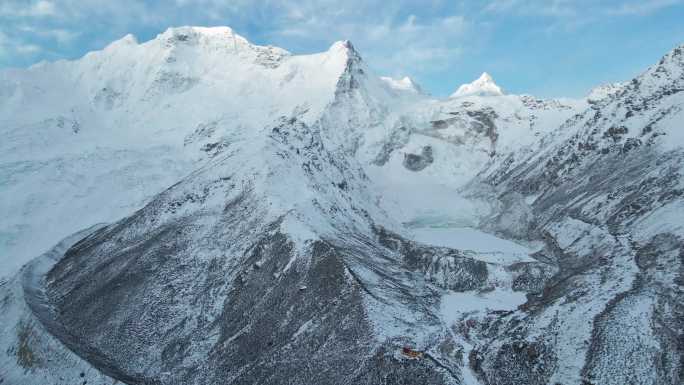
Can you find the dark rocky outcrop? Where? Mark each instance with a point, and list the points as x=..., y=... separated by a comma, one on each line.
x=418, y=162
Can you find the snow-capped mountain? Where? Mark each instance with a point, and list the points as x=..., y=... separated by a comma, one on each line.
x=482, y=86
x=298, y=219
x=92, y=140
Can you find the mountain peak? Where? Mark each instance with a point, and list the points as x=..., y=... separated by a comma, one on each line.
x=483, y=86
x=346, y=47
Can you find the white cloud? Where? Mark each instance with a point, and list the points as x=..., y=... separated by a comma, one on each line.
x=61, y=36
x=42, y=8
x=585, y=9
x=572, y=15
x=643, y=7
x=10, y=47
x=3, y=46
x=14, y=8
x=26, y=49
x=555, y=8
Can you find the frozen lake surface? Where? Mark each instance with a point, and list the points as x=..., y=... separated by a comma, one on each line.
x=488, y=247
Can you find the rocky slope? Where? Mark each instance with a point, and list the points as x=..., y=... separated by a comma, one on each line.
x=605, y=194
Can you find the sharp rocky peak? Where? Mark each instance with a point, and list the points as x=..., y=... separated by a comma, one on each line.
x=345, y=48
x=354, y=67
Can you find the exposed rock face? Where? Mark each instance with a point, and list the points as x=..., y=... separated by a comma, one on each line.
x=236, y=323
x=417, y=162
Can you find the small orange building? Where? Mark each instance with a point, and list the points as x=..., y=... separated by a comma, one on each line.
x=408, y=352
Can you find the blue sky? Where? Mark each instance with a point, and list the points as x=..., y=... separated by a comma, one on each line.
x=542, y=47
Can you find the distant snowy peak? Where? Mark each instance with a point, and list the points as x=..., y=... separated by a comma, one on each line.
x=483, y=86
x=405, y=84
x=216, y=47
x=243, y=88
